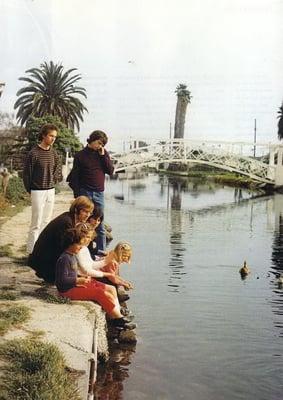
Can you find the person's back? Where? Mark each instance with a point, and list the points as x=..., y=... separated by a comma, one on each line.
x=49, y=246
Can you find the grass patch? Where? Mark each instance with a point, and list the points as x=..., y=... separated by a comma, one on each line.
x=5, y=295
x=42, y=293
x=7, y=292
x=12, y=315
x=35, y=371
x=6, y=250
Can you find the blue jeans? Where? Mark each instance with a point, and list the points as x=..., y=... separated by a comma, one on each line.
x=98, y=199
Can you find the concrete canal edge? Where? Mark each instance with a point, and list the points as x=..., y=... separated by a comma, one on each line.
x=68, y=326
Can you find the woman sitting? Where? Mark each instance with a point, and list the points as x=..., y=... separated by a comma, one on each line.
x=49, y=245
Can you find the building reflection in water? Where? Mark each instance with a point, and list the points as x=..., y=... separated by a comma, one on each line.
x=277, y=262
x=112, y=374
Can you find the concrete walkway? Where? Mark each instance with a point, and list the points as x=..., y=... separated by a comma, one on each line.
x=69, y=326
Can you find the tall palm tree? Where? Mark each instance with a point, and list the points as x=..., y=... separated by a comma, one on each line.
x=184, y=98
x=51, y=90
x=280, y=122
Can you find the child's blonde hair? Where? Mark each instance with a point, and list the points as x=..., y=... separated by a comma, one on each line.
x=123, y=252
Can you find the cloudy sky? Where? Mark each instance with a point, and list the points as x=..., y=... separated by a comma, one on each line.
x=133, y=53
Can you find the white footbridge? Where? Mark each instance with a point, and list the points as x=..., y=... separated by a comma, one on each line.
x=260, y=161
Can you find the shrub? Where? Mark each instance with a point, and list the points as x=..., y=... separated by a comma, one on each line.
x=16, y=190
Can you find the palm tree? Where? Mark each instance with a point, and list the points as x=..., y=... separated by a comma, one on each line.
x=51, y=90
x=280, y=122
x=184, y=98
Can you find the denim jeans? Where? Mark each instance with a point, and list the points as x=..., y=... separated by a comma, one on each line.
x=98, y=199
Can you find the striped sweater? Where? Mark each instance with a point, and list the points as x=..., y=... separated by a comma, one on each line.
x=42, y=169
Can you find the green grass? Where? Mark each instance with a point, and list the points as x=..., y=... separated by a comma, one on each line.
x=42, y=293
x=35, y=371
x=12, y=315
x=6, y=250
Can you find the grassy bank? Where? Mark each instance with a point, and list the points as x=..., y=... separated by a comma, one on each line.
x=216, y=175
x=34, y=370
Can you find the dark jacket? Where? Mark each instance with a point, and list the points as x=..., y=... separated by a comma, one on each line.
x=49, y=246
x=89, y=171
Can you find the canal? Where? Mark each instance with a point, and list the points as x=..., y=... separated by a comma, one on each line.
x=203, y=332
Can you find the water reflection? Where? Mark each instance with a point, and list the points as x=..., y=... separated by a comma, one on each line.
x=177, y=247
x=277, y=264
x=112, y=374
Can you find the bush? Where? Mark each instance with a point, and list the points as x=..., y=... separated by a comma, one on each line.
x=16, y=190
x=36, y=371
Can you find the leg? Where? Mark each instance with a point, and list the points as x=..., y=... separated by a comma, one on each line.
x=48, y=208
x=98, y=199
x=37, y=205
x=94, y=291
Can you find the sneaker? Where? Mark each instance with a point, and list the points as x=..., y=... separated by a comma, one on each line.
x=120, y=322
x=125, y=311
x=123, y=297
x=129, y=326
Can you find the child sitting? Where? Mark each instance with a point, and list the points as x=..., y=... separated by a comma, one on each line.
x=122, y=253
x=75, y=287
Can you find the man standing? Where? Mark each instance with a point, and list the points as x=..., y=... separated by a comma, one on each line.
x=42, y=170
x=87, y=177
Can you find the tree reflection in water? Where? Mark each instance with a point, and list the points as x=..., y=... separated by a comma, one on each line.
x=277, y=267
x=177, y=247
x=111, y=375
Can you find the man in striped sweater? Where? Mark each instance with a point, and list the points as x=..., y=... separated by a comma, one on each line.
x=42, y=170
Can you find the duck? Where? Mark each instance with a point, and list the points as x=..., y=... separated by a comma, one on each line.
x=245, y=269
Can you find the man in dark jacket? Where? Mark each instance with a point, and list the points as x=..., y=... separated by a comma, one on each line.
x=87, y=177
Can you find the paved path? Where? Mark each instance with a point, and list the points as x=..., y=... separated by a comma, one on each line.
x=15, y=230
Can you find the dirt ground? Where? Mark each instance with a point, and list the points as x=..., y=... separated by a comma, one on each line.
x=15, y=230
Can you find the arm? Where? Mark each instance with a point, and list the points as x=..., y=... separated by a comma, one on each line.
x=87, y=266
x=106, y=162
x=117, y=280
x=27, y=172
x=73, y=177
x=65, y=275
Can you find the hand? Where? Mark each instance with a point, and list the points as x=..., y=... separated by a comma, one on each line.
x=128, y=285
x=101, y=151
x=82, y=281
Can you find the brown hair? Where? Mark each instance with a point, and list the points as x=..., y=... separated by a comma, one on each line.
x=45, y=129
x=81, y=203
x=77, y=234
x=98, y=135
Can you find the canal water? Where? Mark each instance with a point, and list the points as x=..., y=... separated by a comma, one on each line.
x=203, y=332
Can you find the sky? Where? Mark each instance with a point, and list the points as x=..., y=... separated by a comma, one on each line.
x=132, y=54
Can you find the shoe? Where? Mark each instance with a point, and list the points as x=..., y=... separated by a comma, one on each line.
x=125, y=311
x=129, y=326
x=121, y=322
x=123, y=297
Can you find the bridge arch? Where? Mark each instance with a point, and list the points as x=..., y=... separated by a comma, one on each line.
x=230, y=156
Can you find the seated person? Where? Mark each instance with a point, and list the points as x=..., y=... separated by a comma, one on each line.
x=75, y=287
x=49, y=245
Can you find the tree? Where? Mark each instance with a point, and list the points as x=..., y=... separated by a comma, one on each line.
x=184, y=98
x=280, y=122
x=66, y=138
x=51, y=90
